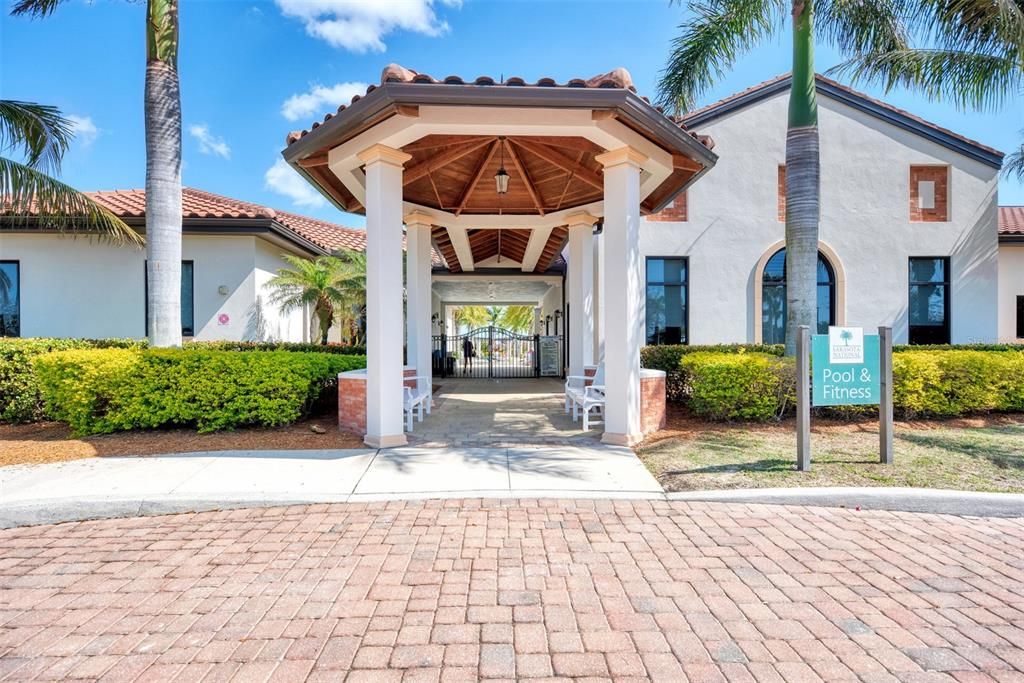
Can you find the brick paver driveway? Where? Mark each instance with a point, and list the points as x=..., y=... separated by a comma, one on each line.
x=461, y=590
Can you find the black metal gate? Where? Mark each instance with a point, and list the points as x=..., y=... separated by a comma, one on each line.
x=487, y=353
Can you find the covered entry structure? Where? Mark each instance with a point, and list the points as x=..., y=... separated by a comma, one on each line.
x=486, y=172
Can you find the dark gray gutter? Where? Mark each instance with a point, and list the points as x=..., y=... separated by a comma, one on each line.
x=861, y=103
x=190, y=226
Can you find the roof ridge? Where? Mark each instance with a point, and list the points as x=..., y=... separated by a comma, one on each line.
x=260, y=209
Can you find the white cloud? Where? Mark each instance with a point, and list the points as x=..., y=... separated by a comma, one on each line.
x=320, y=97
x=283, y=179
x=359, y=25
x=208, y=142
x=84, y=129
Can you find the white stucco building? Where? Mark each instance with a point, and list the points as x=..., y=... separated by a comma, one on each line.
x=82, y=286
x=908, y=226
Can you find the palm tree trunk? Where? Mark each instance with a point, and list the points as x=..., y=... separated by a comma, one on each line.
x=803, y=182
x=163, y=174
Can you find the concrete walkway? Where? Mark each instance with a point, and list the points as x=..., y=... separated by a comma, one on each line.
x=130, y=486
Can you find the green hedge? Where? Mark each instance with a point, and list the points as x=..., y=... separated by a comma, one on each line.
x=20, y=400
x=98, y=391
x=300, y=347
x=667, y=357
x=953, y=383
x=945, y=383
x=745, y=386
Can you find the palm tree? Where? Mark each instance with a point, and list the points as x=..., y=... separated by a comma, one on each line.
x=330, y=285
x=40, y=136
x=472, y=316
x=710, y=42
x=517, y=318
x=973, y=56
x=163, y=164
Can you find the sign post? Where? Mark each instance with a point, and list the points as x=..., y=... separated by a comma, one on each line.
x=885, y=409
x=803, y=399
x=852, y=368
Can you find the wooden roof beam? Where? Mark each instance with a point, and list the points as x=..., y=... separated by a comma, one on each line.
x=432, y=164
x=563, y=162
x=521, y=170
x=471, y=185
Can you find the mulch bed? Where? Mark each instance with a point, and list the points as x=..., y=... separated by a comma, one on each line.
x=52, y=441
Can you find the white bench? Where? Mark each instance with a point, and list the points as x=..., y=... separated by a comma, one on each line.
x=417, y=399
x=581, y=397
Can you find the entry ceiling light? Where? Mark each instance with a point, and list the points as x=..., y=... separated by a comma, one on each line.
x=501, y=177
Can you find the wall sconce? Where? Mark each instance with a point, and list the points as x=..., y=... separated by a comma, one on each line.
x=223, y=290
x=434, y=319
x=558, y=316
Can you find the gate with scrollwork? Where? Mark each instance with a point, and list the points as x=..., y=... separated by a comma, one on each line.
x=487, y=353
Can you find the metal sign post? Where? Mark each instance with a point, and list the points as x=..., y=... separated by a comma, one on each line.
x=885, y=408
x=803, y=398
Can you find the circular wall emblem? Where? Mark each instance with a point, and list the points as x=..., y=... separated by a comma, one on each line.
x=223, y=318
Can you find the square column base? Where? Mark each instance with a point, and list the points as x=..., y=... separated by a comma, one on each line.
x=389, y=441
x=614, y=439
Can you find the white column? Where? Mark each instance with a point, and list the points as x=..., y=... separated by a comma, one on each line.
x=581, y=296
x=384, y=427
x=621, y=274
x=417, y=282
x=599, y=296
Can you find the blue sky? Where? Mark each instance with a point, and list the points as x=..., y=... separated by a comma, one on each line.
x=253, y=70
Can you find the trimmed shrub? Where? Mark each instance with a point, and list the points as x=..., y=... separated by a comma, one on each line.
x=101, y=391
x=300, y=347
x=745, y=386
x=953, y=383
x=667, y=357
x=20, y=400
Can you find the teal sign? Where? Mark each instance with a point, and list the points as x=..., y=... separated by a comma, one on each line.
x=845, y=368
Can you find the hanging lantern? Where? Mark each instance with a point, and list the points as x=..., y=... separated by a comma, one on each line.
x=501, y=177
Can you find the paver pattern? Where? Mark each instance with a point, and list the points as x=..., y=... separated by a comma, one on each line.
x=504, y=589
x=501, y=413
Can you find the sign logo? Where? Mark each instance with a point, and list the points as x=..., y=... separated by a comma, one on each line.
x=846, y=345
x=223, y=319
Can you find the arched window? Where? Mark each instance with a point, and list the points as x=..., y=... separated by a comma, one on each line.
x=773, y=298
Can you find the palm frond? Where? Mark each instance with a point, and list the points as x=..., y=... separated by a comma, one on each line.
x=967, y=79
x=36, y=9
x=857, y=26
x=969, y=25
x=708, y=44
x=29, y=194
x=1013, y=164
x=37, y=131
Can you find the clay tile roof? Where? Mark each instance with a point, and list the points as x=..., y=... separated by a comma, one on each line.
x=396, y=73
x=700, y=113
x=1011, y=220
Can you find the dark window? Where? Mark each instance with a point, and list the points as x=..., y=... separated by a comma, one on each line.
x=1020, y=317
x=10, y=299
x=188, y=317
x=773, y=298
x=929, y=300
x=667, y=301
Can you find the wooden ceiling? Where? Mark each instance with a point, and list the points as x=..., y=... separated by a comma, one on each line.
x=508, y=243
x=456, y=173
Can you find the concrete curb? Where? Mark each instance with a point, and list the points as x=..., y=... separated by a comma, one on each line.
x=896, y=499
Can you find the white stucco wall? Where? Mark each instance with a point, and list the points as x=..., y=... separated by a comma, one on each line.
x=1011, y=285
x=77, y=287
x=264, y=320
x=552, y=302
x=732, y=214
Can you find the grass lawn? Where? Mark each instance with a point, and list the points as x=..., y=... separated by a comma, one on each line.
x=971, y=455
